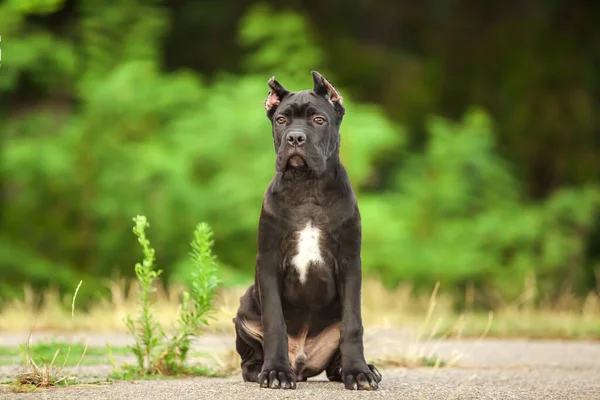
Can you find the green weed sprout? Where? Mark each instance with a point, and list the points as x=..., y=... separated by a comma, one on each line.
x=156, y=352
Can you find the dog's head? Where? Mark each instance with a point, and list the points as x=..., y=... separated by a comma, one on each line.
x=305, y=124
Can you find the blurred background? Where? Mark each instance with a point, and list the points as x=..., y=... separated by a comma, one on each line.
x=472, y=138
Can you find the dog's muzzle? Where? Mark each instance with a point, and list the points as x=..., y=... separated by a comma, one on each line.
x=295, y=141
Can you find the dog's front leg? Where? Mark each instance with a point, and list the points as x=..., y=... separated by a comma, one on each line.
x=356, y=373
x=276, y=371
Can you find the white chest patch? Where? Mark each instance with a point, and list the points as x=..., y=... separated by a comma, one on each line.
x=308, y=251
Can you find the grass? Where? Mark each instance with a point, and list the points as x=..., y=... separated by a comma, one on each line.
x=44, y=352
x=573, y=319
x=46, y=373
x=569, y=318
x=419, y=353
x=130, y=372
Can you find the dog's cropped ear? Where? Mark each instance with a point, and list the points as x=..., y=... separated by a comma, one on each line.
x=276, y=93
x=324, y=88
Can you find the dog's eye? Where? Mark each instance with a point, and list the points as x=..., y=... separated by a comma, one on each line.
x=319, y=120
x=281, y=120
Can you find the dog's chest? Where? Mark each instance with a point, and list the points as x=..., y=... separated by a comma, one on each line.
x=308, y=251
x=310, y=280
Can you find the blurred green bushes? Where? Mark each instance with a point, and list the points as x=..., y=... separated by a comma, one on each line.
x=456, y=215
x=115, y=136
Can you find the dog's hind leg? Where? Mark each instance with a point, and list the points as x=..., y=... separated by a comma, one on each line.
x=249, y=337
x=334, y=369
x=250, y=351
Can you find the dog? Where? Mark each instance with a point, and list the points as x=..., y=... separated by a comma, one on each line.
x=302, y=315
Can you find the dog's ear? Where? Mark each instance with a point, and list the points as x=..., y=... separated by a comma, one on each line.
x=276, y=93
x=324, y=88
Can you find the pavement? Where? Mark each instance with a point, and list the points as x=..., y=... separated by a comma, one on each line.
x=474, y=369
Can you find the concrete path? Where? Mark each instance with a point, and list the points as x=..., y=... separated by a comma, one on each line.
x=488, y=369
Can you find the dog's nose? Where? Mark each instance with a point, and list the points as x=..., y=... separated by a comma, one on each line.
x=296, y=138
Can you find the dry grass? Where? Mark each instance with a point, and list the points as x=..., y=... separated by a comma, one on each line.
x=228, y=364
x=570, y=317
x=49, y=374
x=403, y=308
x=422, y=349
x=428, y=320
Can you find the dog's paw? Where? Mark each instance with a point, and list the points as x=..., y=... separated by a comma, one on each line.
x=366, y=377
x=375, y=372
x=277, y=378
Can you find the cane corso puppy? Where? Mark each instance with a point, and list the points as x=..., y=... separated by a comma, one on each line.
x=302, y=315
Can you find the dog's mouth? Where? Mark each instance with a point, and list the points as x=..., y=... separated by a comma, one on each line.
x=296, y=161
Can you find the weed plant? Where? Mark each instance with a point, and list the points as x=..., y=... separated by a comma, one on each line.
x=158, y=352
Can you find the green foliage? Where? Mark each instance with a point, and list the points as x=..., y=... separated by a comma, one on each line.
x=156, y=352
x=456, y=215
x=160, y=142
x=203, y=284
x=147, y=332
x=48, y=60
x=115, y=134
x=270, y=40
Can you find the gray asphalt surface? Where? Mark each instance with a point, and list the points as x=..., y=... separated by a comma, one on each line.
x=488, y=369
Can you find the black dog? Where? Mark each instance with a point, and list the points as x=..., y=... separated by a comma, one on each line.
x=302, y=316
